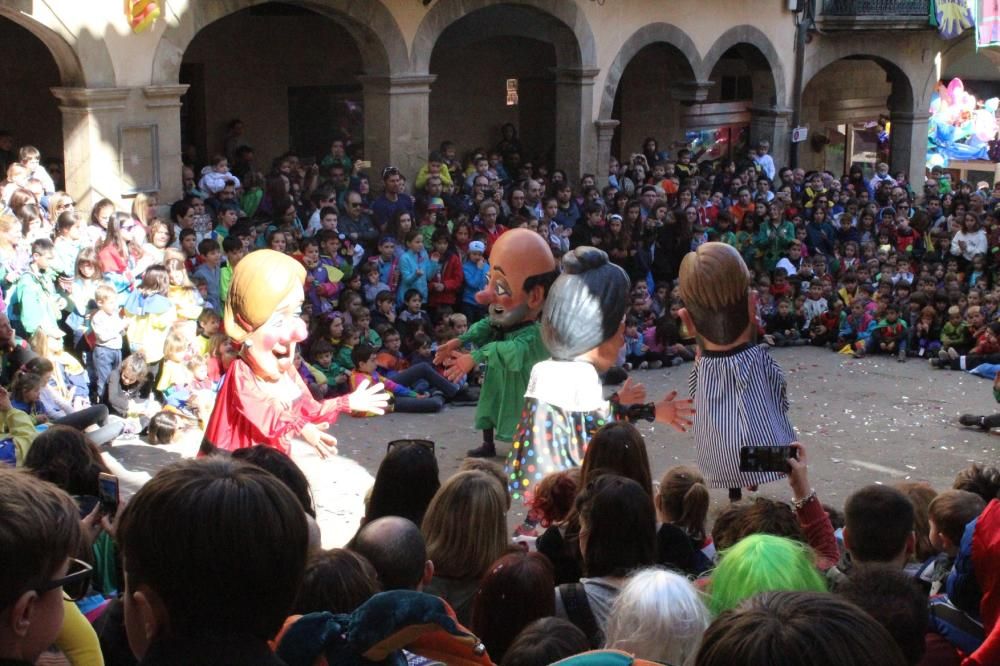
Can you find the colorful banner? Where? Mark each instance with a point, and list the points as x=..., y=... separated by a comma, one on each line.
x=987, y=23
x=952, y=17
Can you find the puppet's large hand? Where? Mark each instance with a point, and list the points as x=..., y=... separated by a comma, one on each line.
x=372, y=399
x=631, y=392
x=324, y=443
x=675, y=413
x=444, y=351
x=458, y=364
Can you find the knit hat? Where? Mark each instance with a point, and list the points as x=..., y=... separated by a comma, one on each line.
x=477, y=246
x=261, y=281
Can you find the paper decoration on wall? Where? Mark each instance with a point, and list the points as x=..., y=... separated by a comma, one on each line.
x=953, y=17
x=142, y=14
x=960, y=126
x=987, y=23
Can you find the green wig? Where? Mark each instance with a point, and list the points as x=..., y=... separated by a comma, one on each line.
x=762, y=563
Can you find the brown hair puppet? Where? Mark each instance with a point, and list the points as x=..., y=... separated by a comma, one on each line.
x=738, y=389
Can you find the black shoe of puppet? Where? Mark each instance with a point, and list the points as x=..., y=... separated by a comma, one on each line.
x=973, y=421
x=484, y=451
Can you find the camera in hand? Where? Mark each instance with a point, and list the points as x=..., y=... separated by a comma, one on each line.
x=107, y=493
x=766, y=458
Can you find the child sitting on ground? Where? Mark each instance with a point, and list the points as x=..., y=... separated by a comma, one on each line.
x=313, y=377
x=371, y=283
x=362, y=319
x=955, y=337
x=405, y=399
x=335, y=375
x=412, y=316
x=889, y=335
x=174, y=374
x=637, y=352
x=784, y=327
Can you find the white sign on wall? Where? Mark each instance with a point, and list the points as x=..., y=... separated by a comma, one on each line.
x=800, y=134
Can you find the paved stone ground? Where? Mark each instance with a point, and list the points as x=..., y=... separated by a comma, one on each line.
x=863, y=421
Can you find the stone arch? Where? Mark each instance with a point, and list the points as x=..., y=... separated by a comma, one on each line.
x=370, y=23
x=758, y=49
x=72, y=70
x=653, y=33
x=583, y=53
x=906, y=91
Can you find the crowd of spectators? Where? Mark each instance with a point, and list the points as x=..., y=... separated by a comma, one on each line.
x=112, y=329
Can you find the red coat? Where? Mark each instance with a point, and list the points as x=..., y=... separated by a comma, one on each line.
x=452, y=276
x=245, y=415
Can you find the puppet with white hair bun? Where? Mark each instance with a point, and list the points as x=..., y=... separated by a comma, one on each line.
x=583, y=327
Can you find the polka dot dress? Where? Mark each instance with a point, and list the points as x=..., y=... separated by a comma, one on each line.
x=551, y=438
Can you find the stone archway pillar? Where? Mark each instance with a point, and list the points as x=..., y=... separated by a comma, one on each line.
x=771, y=124
x=163, y=107
x=605, y=133
x=576, y=138
x=91, y=120
x=908, y=145
x=397, y=121
x=119, y=141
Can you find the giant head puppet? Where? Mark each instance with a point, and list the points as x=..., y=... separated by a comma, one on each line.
x=263, y=400
x=507, y=341
x=521, y=269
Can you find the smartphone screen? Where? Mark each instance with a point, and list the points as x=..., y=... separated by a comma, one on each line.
x=765, y=458
x=107, y=491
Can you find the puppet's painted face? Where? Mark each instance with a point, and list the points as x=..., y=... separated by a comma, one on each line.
x=270, y=350
x=504, y=294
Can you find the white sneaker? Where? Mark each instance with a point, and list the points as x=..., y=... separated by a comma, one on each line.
x=643, y=365
x=655, y=365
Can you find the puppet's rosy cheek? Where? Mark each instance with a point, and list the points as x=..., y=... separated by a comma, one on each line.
x=299, y=332
x=270, y=339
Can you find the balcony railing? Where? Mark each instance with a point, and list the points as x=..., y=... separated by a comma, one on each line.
x=873, y=14
x=882, y=8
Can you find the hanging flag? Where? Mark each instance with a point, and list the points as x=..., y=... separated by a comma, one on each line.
x=141, y=14
x=987, y=23
x=953, y=17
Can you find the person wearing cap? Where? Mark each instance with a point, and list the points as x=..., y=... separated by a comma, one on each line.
x=433, y=216
x=508, y=340
x=475, y=270
x=263, y=400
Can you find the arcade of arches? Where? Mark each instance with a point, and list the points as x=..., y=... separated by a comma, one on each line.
x=398, y=77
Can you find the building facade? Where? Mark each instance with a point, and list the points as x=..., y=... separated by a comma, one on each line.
x=590, y=78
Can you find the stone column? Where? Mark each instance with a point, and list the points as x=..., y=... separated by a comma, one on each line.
x=576, y=137
x=770, y=123
x=605, y=133
x=163, y=107
x=908, y=145
x=91, y=119
x=397, y=122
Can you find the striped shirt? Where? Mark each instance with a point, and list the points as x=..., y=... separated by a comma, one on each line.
x=739, y=400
